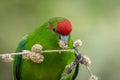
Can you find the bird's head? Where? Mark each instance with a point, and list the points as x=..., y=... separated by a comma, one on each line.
x=61, y=26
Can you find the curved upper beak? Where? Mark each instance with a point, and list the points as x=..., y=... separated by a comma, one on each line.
x=64, y=38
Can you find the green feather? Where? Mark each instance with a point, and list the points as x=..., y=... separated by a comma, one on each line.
x=54, y=63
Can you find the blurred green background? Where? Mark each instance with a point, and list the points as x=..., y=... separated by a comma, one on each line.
x=95, y=22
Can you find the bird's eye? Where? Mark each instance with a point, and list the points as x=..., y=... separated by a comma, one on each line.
x=53, y=29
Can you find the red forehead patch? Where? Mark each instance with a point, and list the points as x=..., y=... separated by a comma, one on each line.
x=64, y=27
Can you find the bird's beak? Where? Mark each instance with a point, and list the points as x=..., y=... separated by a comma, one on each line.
x=64, y=38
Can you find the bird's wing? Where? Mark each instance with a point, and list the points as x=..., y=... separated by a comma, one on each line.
x=18, y=58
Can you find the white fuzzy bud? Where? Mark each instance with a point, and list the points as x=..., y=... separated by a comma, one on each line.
x=87, y=61
x=37, y=48
x=77, y=43
x=36, y=57
x=7, y=58
x=26, y=54
x=93, y=78
x=62, y=44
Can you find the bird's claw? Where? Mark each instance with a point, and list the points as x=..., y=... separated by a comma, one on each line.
x=78, y=59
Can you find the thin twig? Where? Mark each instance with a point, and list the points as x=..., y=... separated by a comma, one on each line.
x=49, y=51
x=89, y=71
x=45, y=51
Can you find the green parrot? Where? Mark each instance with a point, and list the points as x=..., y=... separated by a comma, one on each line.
x=54, y=65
